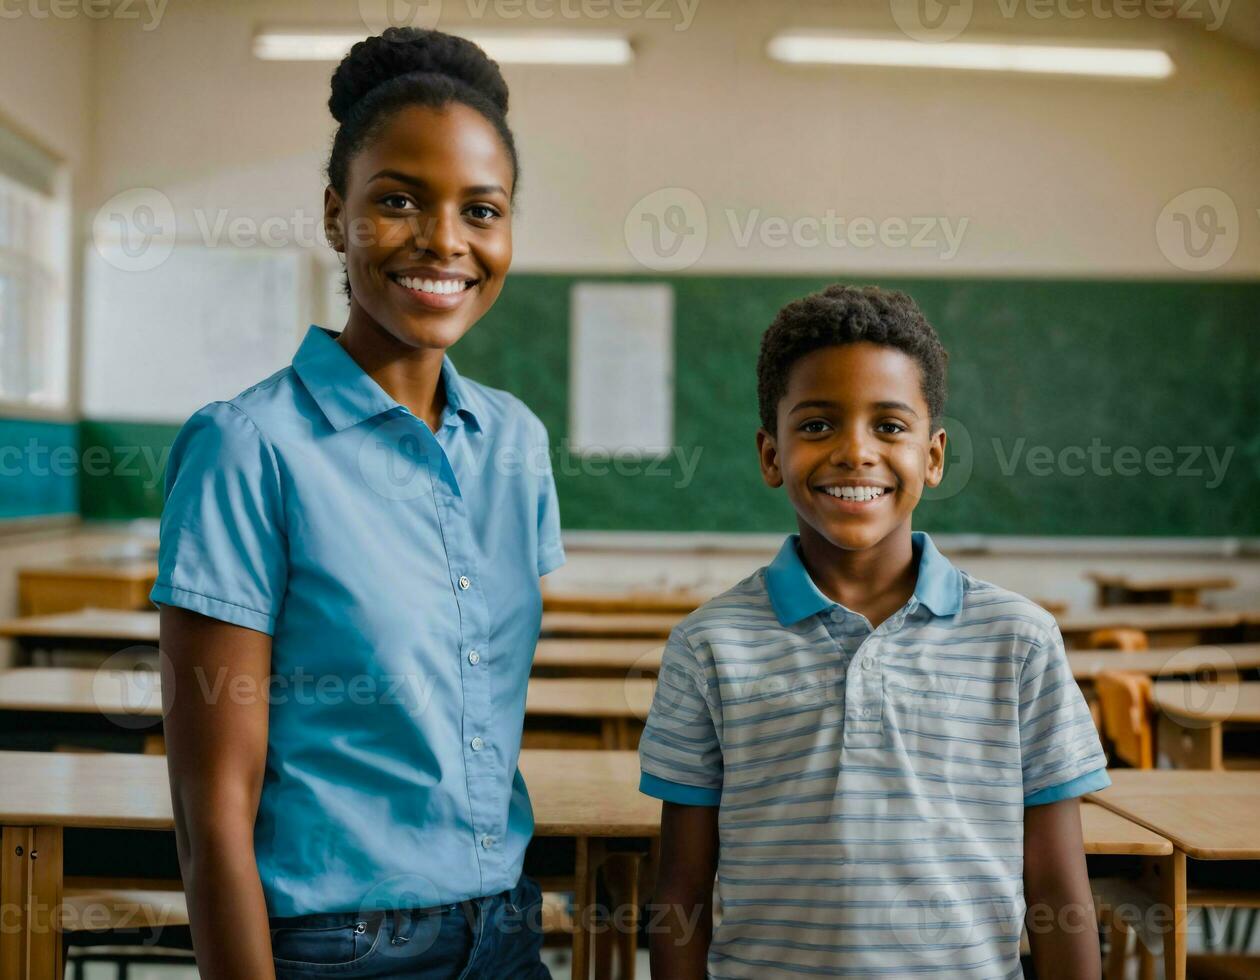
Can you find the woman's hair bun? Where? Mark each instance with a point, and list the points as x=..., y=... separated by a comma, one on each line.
x=408, y=50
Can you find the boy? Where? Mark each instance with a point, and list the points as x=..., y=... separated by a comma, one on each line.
x=879, y=755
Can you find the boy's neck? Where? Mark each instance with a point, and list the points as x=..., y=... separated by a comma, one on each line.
x=875, y=581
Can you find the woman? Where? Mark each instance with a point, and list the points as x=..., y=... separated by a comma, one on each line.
x=349, y=577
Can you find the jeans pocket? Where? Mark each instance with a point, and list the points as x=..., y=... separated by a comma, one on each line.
x=323, y=948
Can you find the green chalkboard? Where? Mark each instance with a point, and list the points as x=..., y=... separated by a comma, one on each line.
x=1076, y=407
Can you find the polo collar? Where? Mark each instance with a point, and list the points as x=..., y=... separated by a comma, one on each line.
x=794, y=596
x=347, y=396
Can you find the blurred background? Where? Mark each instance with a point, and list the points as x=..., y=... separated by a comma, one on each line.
x=1082, y=226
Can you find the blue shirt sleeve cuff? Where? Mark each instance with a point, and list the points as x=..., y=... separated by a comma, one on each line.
x=1089, y=783
x=228, y=612
x=671, y=792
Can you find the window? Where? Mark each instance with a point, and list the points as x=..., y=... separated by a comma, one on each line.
x=34, y=267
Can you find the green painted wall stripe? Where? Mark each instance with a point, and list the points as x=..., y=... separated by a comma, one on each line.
x=39, y=464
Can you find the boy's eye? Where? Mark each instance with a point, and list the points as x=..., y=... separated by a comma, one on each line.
x=814, y=426
x=891, y=427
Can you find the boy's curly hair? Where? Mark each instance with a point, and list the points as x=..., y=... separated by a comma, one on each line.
x=847, y=315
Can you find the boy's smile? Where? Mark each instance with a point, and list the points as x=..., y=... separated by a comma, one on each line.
x=854, y=446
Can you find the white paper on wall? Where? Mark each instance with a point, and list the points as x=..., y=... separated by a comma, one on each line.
x=621, y=367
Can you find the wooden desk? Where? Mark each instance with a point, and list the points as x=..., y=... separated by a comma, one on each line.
x=620, y=626
x=620, y=706
x=591, y=797
x=100, y=631
x=1192, y=719
x=1165, y=625
x=1209, y=816
x=677, y=603
x=600, y=658
x=122, y=583
x=133, y=699
x=1178, y=590
x=1226, y=660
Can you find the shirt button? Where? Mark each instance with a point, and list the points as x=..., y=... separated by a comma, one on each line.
x=868, y=662
x=464, y=581
x=487, y=842
x=837, y=615
x=477, y=743
x=474, y=657
x=868, y=713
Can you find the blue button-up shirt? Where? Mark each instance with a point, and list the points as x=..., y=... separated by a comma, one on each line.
x=396, y=570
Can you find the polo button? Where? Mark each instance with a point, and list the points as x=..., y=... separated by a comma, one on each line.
x=464, y=582
x=868, y=713
x=837, y=615
x=477, y=743
x=487, y=842
x=868, y=662
x=474, y=657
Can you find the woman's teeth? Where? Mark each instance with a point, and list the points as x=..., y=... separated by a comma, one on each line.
x=439, y=286
x=854, y=493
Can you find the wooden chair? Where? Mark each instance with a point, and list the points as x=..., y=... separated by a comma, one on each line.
x=1125, y=700
x=1120, y=638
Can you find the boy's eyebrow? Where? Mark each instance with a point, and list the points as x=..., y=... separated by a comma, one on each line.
x=885, y=406
x=418, y=182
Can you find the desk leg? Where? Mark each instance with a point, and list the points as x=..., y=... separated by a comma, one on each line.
x=582, y=902
x=30, y=903
x=1169, y=879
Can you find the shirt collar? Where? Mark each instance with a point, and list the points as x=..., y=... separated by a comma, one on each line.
x=347, y=396
x=794, y=596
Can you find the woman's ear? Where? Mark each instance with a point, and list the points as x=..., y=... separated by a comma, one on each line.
x=768, y=455
x=333, y=210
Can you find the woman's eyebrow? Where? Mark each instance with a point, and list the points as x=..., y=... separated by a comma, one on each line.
x=418, y=182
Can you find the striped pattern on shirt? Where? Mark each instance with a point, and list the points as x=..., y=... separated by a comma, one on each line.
x=871, y=783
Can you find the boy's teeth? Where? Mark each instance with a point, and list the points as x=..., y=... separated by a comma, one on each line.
x=439, y=286
x=854, y=493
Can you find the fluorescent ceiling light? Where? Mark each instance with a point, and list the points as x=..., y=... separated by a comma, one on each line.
x=507, y=48
x=833, y=49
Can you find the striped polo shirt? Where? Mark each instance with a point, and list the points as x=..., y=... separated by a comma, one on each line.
x=871, y=783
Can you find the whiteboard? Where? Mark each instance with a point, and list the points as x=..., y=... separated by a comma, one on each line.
x=203, y=325
x=621, y=368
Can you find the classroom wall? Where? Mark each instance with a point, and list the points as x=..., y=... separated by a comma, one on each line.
x=1053, y=176
x=46, y=69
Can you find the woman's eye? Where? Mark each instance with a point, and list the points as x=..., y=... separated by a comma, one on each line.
x=483, y=212
x=395, y=198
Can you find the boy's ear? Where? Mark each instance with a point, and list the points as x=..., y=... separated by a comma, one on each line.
x=936, y=458
x=768, y=455
x=332, y=219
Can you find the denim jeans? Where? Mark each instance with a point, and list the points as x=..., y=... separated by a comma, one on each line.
x=496, y=937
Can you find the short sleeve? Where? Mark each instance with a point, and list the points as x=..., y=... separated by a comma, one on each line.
x=680, y=757
x=1062, y=756
x=550, y=548
x=222, y=549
